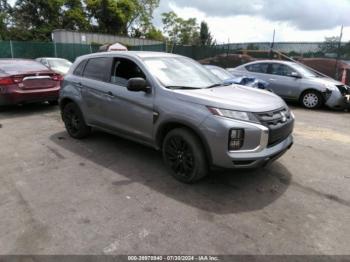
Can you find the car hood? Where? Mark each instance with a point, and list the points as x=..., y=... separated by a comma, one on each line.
x=234, y=97
x=325, y=81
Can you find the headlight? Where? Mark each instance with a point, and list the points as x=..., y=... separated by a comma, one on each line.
x=331, y=87
x=239, y=115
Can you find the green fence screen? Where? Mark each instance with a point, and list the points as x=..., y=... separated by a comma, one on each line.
x=17, y=49
x=32, y=50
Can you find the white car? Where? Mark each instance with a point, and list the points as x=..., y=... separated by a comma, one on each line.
x=58, y=65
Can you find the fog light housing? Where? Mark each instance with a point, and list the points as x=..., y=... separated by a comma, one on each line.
x=236, y=139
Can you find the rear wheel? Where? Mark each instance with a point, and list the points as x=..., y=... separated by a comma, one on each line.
x=184, y=156
x=74, y=121
x=311, y=99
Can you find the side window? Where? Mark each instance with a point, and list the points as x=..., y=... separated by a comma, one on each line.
x=123, y=69
x=258, y=68
x=281, y=70
x=97, y=68
x=80, y=69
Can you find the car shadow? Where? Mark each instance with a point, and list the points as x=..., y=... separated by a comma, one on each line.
x=25, y=110
x=221, y=192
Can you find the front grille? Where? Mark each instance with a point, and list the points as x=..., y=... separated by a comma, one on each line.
x=280, y=124
x=344, y=90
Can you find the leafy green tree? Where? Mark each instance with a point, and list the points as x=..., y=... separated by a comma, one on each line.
x=155, y=34
x=205, y=36
x=122, y=16
x=5, y=10
x=180, y=31
x=36, y=19
x=74, y=16
x=142, y=15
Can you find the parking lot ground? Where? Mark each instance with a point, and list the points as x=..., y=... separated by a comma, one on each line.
x=106, y=195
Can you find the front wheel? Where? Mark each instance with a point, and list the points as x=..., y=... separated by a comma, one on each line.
x=311, y=99
x=184, y=156
x=74, y=121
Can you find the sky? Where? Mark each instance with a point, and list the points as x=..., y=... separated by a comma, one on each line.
x=254, y=20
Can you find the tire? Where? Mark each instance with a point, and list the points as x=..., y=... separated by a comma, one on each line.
x=184, y=156
x=53, y=102
x=74, y=121
x=311, y=99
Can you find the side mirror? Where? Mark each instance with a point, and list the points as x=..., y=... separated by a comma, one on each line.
x=295, y=74
x=138, y=84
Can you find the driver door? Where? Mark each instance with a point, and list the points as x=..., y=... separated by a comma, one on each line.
x=129, y=112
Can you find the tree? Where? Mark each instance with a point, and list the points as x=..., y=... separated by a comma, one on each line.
x=74, y=16
x=5, y=10
x=37, y=18
x=141, y=18
x=155, y=34
x=205, y=36
x=180, y=31
x=122, y=16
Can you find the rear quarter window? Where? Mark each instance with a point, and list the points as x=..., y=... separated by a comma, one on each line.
x=98, y=68
x=79, y=70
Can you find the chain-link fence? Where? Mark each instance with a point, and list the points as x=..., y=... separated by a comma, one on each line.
x=331, y=58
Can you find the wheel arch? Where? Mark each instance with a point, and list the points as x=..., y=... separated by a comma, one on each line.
x=66, y=100
x=166, y=127
x=308, y=90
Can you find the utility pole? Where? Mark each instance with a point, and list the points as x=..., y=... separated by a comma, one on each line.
x=272, y=43
x=338, y=53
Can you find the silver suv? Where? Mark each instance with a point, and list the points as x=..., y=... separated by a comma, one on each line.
x=293, y=81
x=175, y=105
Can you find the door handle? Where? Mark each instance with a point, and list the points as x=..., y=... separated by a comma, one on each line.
x=272, y=79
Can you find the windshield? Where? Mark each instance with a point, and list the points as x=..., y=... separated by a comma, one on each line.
x=220, y=73
x=304, y=71
x=180, y=72
x=59, y=63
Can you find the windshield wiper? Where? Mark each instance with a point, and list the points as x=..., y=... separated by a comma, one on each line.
x=216, y=85
x=182, y=87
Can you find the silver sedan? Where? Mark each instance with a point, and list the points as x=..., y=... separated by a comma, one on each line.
x=293, y=81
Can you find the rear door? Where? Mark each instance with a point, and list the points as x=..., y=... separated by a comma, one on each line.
x=94, y=89
x=282, y=82
x=258, y=70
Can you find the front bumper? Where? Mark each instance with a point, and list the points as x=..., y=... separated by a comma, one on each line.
x=338, y=100
x=255, y=151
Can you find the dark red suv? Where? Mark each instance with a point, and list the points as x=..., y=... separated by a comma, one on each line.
x=26, y=81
